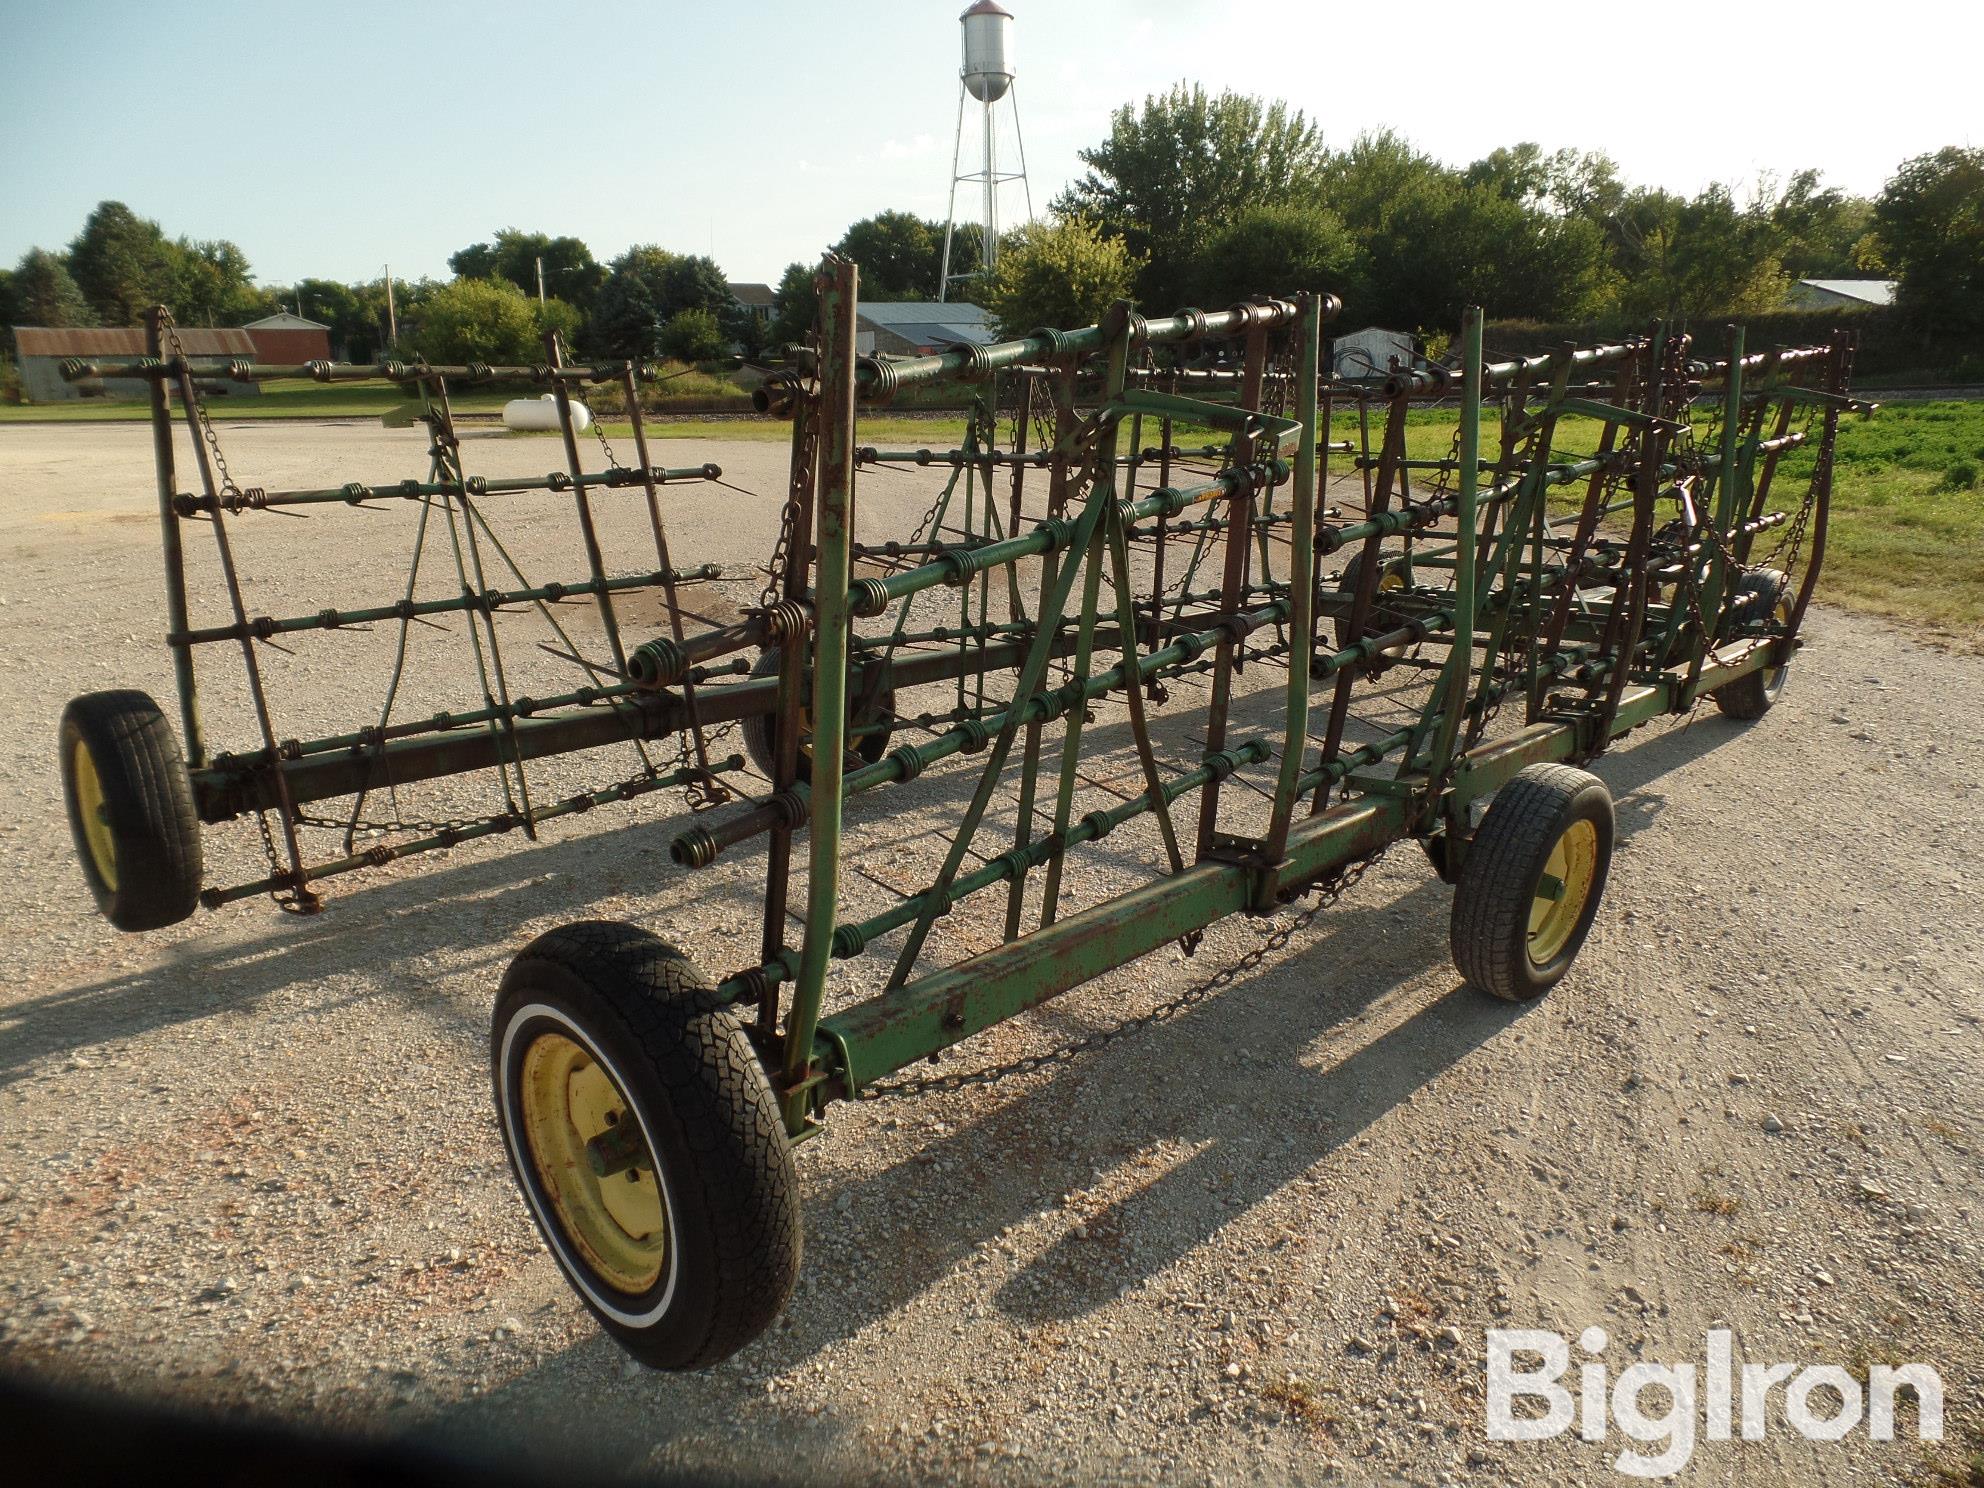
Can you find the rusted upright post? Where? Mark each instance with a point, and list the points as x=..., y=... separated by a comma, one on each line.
x=595, y=562
x=1233, y=586
x=176, y=620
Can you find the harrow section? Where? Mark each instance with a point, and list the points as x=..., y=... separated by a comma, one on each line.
x=1146, y=656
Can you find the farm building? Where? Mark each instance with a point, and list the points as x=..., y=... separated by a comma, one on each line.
x=43, y=350
x=1369, y=353
x=1822, y=294
x=287, y=339
x=914, y=327
x=754, y=299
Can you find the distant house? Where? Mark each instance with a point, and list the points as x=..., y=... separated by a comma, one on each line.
x=917, y=327
x=754, y=300
x=43, y=350
x=287, y=340
x=1371, y=353
x=1822, y=294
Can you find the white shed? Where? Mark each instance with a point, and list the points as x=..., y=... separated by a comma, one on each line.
x=1370, y=353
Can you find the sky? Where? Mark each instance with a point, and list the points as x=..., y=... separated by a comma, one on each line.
x=328, y=140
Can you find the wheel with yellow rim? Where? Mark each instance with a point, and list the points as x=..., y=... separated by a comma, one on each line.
x=642, y=1130
x=1394, y=575
x=131, y=809
x=1760, y=604
x=760, y=730
x=1531, y=880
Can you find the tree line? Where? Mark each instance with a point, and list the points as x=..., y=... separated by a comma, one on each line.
x=1197, y=199
x=1190, y=199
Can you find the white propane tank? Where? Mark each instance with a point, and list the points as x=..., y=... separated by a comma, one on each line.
x=540, y=415
x=988, y=50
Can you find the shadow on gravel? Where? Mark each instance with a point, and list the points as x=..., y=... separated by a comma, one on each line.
x=372, y=931
x=478, y=904
x=1019, y=1158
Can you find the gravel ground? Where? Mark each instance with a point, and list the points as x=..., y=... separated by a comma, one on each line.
x=249, y=1163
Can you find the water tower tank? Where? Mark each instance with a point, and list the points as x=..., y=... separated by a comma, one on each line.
x=988, y=50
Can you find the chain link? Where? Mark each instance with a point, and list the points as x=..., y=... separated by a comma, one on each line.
x=1331, y=888
x=290, y=897
x=207, y=431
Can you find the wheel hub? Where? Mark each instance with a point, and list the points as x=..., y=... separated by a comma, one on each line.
x=595, y=1167
x=1562, y=892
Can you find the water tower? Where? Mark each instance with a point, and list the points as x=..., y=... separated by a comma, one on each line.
x=986, y=78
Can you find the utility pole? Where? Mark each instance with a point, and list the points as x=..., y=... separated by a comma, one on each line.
x=392, y=316
x=540, y=280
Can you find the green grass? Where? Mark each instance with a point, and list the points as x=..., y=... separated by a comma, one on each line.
x=284, y=398
x=1907, y=534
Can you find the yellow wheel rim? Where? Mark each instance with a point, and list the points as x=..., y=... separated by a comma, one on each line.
x=94, y=815
x=615, y=1220
x=1774, y=678
x=1563, y=892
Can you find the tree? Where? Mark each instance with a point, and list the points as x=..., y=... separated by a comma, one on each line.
x=1819, y=228
x=648, y=287
x=1364, y=184
x=122, y=262
x=210, y=285
x=902, y=255
x=794, y=305
x=570, y=271
x=1062, y=272
x=44, y=293
x=1276, y=248
x=354, y=327
x=485, y=320
x=1171, y=171
x=693, y=336
x=1444, y=246
x=693, y=282
x=1929, y=219
x=623, y=322
x=1698, y=258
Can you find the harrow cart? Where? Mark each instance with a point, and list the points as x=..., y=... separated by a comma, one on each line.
x=1160, y=667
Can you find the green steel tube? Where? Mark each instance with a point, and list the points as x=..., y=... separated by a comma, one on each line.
x=384, y=853
x=851, y=940
x=830, y=631
x=414, y=490
x=485, y=600
x=959, y=564
x=76, y=369
x=878, y=379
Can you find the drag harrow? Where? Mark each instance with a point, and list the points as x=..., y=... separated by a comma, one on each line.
x=1140, y=607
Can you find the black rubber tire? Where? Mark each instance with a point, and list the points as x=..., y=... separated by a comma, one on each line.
x=147, y=802
x=655, y=1024
x=758, y=728
x=1751, y=696
x=1347, y=585
x=1502, y=869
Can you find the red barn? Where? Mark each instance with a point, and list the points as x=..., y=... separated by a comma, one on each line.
x=285, y=339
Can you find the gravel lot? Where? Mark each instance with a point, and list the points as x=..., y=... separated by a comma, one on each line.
x=250, y=1162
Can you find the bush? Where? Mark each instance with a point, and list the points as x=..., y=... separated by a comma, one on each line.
x=676, y=382
x=1961, y=475
x=693, y=336
x=1061, y=272
x=10, y=382
x=478, y=320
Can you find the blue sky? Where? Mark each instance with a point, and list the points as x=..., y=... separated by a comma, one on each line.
x=330, y=138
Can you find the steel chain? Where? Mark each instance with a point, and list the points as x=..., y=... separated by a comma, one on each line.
x=1331, y=889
